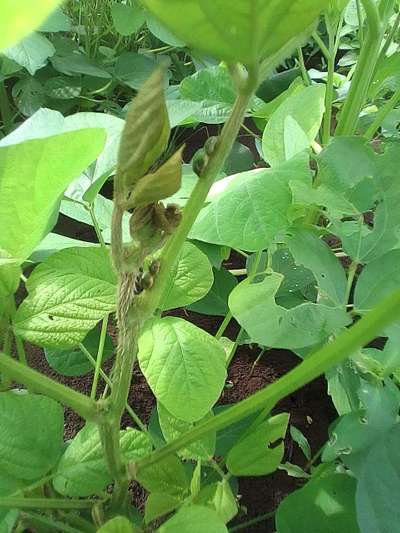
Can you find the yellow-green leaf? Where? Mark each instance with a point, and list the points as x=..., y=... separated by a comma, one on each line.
x=246, y=31
x=146, y=132
x=161, y=184
x=18, y=19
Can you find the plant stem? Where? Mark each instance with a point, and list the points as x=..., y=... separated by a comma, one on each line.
x=96, y=226
x=360, y=334
x=108, y=382
x=55, y=525
x=329, y=96
x=20, y=350
x=381, y=115
x=304, y=73
x=254, y=521
x=360, y=23
x=37, y=382
x=44, y=503
x=364, y=71
x=224, y=325
x=324, y=49
x=350, y=280
x=234, y=348
x=99, y=357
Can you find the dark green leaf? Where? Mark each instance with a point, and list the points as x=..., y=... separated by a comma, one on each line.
x=259, y=452
x=325, y=504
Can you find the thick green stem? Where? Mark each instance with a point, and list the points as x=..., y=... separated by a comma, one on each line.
x=45, y=503
x=364, y=331
x=381, y=115
x=364, y=72
x=37, y=382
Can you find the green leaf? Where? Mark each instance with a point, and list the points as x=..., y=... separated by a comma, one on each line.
x=161, y=184
x=32, y=52
x=216, y=300
x=302, y=441
x=220, y=498
x=158, y=504
x=345, y=163
x=214, y=90
x=240, y=159
x=386, y=77
x=89, y=184
x=186, y=372
x=258, y=453
x=146, y=132
x=194, y=519
x=119, y=524
x=29, y=96
x=161, y=32
x=31, y=434
x=254, y=307
x=359, y=241
x=379, y=486
x=172, y=428
x=246, y=32
x=311, y=252
x=33, y=175
x=377, y=280
x=305, y=108
x=19, y=20
x=68, y=295
x=56, y=21
x=82, y=470
x=74, y=62
x=73, y=362
x=52, y=243
x=134, y=69
x=167, y=476
x=127, y=19
x=324, y=504
x=354, y=433
x=249, y=210
x=190, y=279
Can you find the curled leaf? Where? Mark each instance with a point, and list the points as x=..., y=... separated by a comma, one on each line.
x=163, y=183
x=146, y=132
